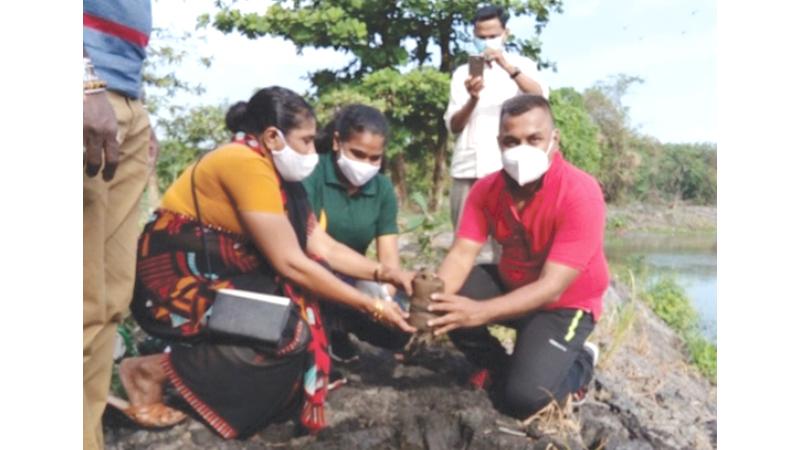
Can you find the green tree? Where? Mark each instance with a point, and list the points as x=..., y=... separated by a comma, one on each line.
x=183, y=131
x=649, y=153
x=579, y=135
x=619, y=162
x=398, y=95
x=637, y=166
x=186, y=135
x=385, y=35
x=166, y=52
x=689, y=172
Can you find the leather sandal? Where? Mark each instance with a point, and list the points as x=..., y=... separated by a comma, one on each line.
x=154, y=416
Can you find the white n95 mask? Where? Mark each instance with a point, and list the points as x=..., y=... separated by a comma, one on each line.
x=526, y=163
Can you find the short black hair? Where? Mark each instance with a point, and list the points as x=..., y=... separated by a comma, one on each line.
x=491, y=12
x=520, y=104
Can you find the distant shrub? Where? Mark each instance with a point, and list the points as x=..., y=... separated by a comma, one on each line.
x=669, y=301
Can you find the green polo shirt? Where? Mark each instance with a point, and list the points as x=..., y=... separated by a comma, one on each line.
x=354, y=220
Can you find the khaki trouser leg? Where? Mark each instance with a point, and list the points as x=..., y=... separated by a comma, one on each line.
x=458, y=197
x=110, y=229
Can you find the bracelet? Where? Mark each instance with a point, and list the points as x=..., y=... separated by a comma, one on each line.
x=92, y=84
x=516, y=73
x=377, y=273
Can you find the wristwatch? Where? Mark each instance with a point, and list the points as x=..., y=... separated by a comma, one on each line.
x=515, y=73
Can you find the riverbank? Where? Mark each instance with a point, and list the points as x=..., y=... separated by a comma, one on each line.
x=645, y=396
x=660, y=217
x=646, y=393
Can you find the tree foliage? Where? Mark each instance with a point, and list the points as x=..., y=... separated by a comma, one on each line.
x=194, y=131
x=413, y=128
x=393, y=46
x=166, y=52
x=638, y=167
x=619, y=162
x=379, y=34
x=579, y=134
x=688, y=172
x=183, y=131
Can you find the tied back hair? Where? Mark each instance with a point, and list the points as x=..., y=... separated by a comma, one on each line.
x=352, y=119
x=274, y=106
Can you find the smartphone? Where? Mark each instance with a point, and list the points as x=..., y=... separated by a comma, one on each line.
x=476, y=66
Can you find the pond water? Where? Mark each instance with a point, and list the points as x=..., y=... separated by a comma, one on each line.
x=690, y=258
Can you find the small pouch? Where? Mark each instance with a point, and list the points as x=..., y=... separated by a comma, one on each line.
x=249, y=315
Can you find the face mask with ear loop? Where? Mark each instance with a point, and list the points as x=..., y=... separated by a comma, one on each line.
x=291, y=164
x=480, y=44
x=526, y=163
x=356, y=172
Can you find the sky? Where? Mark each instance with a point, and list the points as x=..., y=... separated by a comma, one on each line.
x=671, y=44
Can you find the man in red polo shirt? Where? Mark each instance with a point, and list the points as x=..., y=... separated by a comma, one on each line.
x=548, y=216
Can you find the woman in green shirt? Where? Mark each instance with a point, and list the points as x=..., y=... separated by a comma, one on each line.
x=356, y=204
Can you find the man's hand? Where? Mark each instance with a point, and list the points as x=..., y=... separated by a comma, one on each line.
x=460, y=312
x=153, y=150
x=474, y=86
x=100, y=136
x=495, y=55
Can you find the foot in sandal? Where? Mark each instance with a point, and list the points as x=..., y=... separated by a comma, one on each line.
x=143, y=380
x=156, y=415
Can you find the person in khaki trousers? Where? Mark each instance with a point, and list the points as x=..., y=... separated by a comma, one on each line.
x=110, y=229
x=117, y=139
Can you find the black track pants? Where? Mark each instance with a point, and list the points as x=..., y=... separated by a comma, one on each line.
x=548, y=362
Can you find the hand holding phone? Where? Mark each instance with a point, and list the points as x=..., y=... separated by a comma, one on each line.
x=474, y=85
x=476, y=66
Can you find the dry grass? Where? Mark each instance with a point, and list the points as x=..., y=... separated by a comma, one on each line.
x=555, y=419
x=618, y=324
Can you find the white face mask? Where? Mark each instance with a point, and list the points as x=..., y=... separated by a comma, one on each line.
x=495, y=43
x=291, y=164
x=526, y=163
x=356, y=172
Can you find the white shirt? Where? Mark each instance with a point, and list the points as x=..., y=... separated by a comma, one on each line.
x=476, y=152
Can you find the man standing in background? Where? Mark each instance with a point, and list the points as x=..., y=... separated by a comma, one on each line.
x=116, y=139
x=473, y=112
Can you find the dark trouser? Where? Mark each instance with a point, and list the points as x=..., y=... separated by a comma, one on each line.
x=340, y=320
x=549, y=361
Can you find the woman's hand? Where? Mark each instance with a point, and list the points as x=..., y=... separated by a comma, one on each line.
x=390, y=313
x=398, y=277
x=391, y=289
x=460, y=312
